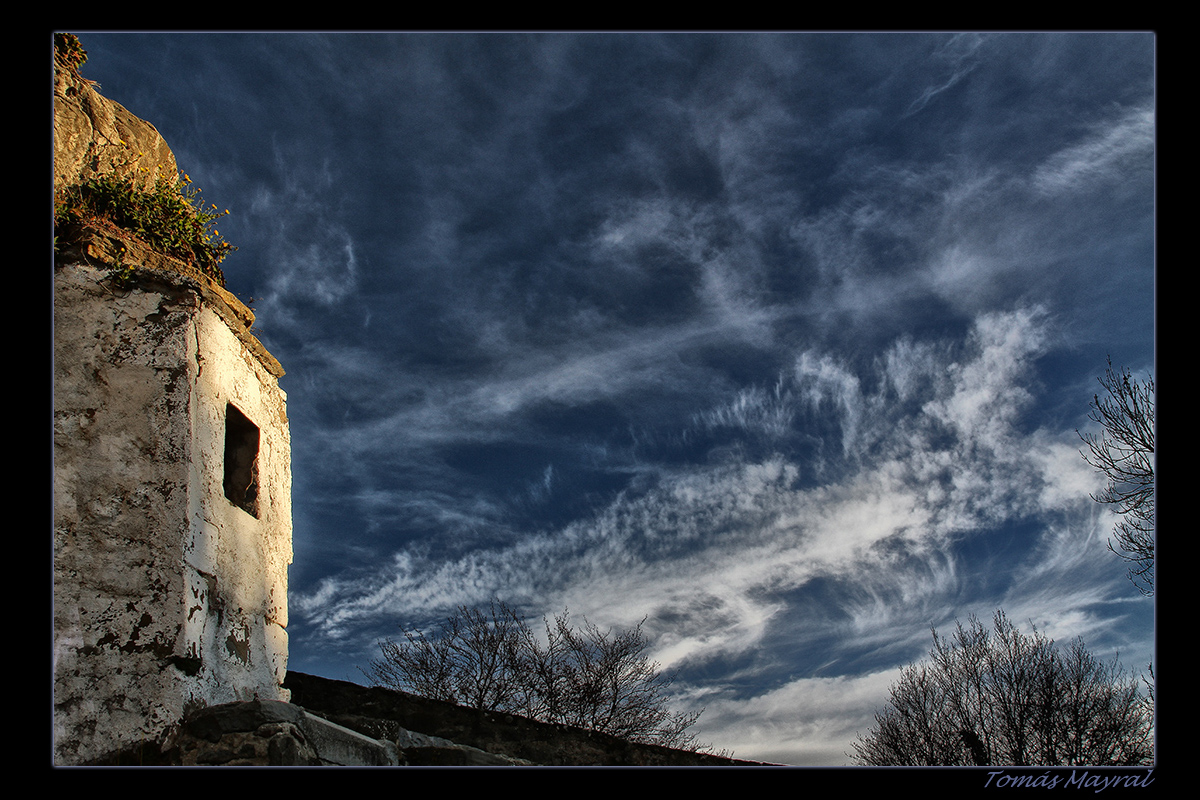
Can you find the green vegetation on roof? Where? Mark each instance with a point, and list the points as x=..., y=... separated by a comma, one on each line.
x=170, y=217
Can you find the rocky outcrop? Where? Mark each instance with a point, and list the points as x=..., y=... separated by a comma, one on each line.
x=420, y=750
x=257, y=733
x=272, y=733
x=94, y=135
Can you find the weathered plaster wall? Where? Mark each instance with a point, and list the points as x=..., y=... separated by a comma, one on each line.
x=167, y=596
x=237, y=563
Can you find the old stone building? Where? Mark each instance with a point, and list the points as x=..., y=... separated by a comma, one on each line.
x=172, y=476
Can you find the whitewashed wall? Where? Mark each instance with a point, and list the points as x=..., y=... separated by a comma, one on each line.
x=167, y=595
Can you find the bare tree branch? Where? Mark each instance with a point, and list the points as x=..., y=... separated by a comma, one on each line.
x=1124, y=452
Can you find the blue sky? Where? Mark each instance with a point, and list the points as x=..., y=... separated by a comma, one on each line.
x=778, y=340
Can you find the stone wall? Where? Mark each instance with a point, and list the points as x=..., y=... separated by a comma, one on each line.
x=458, y=734
x=168, y=594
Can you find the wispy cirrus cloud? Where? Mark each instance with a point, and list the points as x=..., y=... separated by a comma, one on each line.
x=312, y=249
x=960, y=54
x=1115, y=152
x=837, y=709
x=914, y=478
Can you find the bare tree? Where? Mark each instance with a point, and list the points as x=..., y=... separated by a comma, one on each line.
x=472, y=662
x=1000, y=697
x=585, y=677
x=607, y=683
x=1124, y=452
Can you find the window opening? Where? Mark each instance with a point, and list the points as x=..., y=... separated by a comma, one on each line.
x=241, y=461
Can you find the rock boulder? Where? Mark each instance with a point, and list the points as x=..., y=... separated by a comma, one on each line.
x=94, y=136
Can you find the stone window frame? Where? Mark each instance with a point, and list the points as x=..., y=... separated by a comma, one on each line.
x=242, y=444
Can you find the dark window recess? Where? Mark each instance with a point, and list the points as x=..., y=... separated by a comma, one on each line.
x=241, y=461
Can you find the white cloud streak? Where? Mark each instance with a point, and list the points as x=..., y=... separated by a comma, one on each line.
x=723, y=542
x=1116, y=152
x=961, y=53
